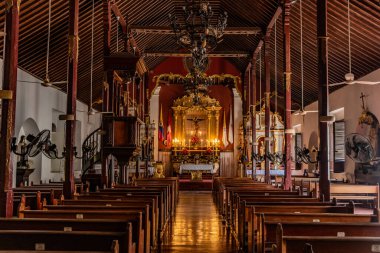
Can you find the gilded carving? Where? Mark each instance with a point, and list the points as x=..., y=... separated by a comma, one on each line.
x=106, y=86
x=73, y=39
x=288, y=77
x=9, y=4
x=177, y=78
x=18, y=5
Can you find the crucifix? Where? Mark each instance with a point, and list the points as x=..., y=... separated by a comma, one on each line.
x=362, y=98
x=195, y=121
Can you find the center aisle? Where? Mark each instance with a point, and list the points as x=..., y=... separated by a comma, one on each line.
x=197, y=227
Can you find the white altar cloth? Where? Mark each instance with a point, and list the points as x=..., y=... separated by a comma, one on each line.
x=188, y=167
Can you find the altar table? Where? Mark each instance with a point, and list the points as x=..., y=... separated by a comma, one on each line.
x=188, y=167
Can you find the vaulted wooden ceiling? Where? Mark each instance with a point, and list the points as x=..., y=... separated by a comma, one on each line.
x=365, y=18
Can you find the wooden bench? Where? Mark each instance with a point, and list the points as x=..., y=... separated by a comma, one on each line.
x=325, y=244
x=75, y=225
x=309, y=218
x=356, y=193
x=17, y=241
x=124, y=196
x=160, y=193
x=173, y=181
x=128, y=204
x=146, y=215
x=134, y=217
x=321, y=229
x=249, y=218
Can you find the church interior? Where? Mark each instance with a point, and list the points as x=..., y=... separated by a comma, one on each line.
x=190, y=126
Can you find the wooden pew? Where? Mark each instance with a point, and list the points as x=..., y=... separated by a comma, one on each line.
x=326, y=244
x=34, y=197
x=265, y=197
x=128, y=193
x=75, y=225
x=134, y=217
x=163, y=193
x=146, y=218
x=308, y=185
x=173, y=181
x=153, y=209
x=233, y=213
x=355, y=192
x=321, y=229
x=123, y=196
x=309, y=218
x=22, y=241
x=249, y=218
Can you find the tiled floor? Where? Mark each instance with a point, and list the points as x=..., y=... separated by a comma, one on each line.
x=197, y=227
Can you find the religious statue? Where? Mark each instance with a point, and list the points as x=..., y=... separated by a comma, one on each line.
x=22, y=149
x=159, y=170
x=23, y=169
x=262, y=153
x=262, y=148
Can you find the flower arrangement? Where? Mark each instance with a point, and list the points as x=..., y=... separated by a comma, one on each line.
x=185, y=151
x=208, y=151
x=194, y=140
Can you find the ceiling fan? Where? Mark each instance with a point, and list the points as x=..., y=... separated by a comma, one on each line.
x=302, y=110
x=47, y=82
x=349, y=77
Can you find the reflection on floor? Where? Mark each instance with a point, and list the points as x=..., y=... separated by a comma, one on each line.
x=197, y=227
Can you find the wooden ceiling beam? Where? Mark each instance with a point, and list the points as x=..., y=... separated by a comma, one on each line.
x=166, y=30
x=215, y=54
x=131, y=42
x=267, y=33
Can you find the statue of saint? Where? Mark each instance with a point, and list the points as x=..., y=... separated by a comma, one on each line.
x=22, y=149
x=262, y=153
x=262, y=148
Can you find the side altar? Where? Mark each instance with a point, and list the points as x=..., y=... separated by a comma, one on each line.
x=196, y=142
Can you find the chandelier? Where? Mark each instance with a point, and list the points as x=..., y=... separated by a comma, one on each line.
x=197, y=32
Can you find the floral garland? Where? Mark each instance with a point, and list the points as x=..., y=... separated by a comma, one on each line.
x=185, y=151
x=194, y=140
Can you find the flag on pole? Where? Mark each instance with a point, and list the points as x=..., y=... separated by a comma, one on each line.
x=161, y=127
x=224, y=137
x=230, y=128
x=169, y=131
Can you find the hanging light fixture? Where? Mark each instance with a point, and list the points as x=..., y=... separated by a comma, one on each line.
x=196, y=31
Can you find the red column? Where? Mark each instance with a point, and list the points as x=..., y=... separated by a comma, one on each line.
x=8, y=110
x=288, y=94
x=323, y=98
x=106, y=50
x=106, y=4
x=253, y=109
x=68, y=187
x=267, y=103
x=244, y=95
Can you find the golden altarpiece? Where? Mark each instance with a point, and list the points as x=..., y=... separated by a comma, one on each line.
x=196, y=131
x=276, y=141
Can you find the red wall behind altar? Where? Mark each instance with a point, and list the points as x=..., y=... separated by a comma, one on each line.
x=169, y=93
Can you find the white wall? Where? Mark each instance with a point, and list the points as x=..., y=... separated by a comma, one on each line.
x=39, y=103
x=154, y=116
x=238, y=120
x=345, y=103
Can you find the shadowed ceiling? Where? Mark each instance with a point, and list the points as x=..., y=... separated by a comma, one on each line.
x=365, y=18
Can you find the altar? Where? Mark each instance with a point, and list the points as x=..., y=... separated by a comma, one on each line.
x=189, y=167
